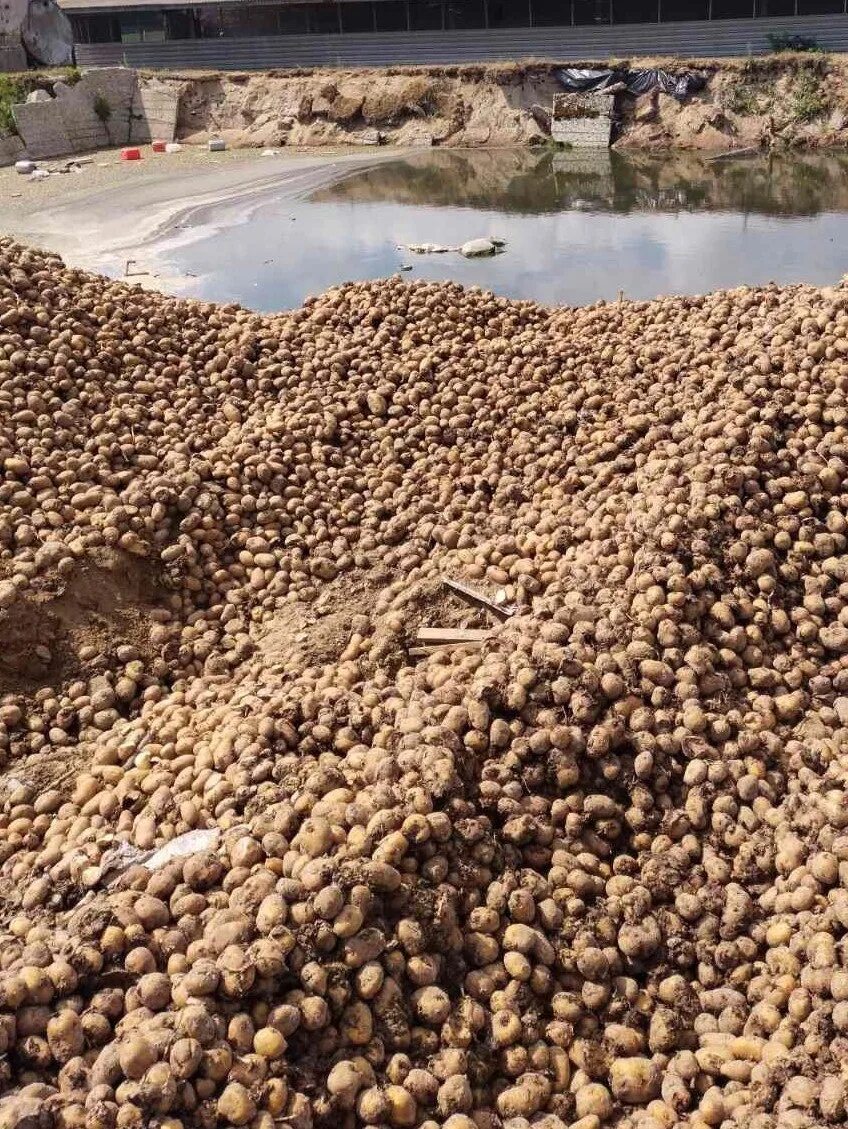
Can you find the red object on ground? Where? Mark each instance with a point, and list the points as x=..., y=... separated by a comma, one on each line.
x=130, y=154
x=158, y=146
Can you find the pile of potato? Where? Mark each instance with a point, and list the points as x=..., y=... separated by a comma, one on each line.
x=591, y=873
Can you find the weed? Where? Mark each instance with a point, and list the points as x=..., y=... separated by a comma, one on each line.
x=743, y=99
x=102, y=108
x=72, y=77
x=807, y=101
x=12, y=90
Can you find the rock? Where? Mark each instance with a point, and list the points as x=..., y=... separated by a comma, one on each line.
x=646, y=107
x=369, y=137
x=477, y=248
x=428, y=248
x=38, y=96
x=24, y=167
x=841, y=708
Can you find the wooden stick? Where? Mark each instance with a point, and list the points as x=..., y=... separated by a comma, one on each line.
x=430, y=649
x=439, y=636
x=478, y=599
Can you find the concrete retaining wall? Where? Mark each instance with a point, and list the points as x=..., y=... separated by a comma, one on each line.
x=582, y=120
x=154, y=113
x=106, y=107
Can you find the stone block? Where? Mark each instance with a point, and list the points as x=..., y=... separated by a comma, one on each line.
x=117, y=87
x=42, y=129
x=76, y=107
x=154, y=112
x=582, y=120
x=11, y=150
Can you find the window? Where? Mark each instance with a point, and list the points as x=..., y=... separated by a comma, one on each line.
x=464, y=14
x=293, y=19
x=96, y=29
x=209, y=22
x=358, y=15
x=142, y=27
x=324, y=19
x=775, y=7
x=551, y=13
x=729, y=9
x=391, y=15
x=235, y=22
x=262, y=20
x=819, y=7
x=179, y=24
x=634, y=11
x=509, y=13
x=591, y=11
x=426, y=15
x=689, y=10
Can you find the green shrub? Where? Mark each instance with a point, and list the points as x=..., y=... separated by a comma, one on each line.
x=102, y=108
x=783, y=41
x=12, y=90
x=807, y=102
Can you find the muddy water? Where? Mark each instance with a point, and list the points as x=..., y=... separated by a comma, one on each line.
x=578, y=227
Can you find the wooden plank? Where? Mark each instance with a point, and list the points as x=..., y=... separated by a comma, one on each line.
x=430, y=649
x=441, y=635
x=478, y=599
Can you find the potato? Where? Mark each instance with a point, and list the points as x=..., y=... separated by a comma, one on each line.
x=592, y=865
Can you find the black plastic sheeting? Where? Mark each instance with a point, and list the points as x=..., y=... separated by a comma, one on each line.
x=679, y=86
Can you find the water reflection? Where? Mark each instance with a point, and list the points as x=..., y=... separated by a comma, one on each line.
x=579, y=227
x=535, y=182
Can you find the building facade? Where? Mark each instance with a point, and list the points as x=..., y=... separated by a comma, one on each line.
x=154, y=21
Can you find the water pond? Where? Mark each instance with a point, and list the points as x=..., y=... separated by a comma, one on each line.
x=578, y=227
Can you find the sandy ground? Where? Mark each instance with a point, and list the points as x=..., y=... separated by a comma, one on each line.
x=116, y=217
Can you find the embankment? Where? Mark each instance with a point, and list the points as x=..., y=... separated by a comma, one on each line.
x=780, y=101
x=791, y=100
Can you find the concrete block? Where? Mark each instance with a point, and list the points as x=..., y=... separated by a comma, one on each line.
x=11, y=150
x=582, y=120
x=117, y=87
x=154, y=112
x=76, y=107
x=42, y=129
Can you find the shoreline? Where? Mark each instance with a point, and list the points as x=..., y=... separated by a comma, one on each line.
x=170, y=207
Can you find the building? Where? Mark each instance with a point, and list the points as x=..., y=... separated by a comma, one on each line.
x=363, y=32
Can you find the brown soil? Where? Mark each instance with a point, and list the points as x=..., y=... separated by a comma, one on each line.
x=785, y=100
x=70, y=622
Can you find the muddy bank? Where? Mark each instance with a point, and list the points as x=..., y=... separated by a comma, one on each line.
x=85, y=218
x=790, y=100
